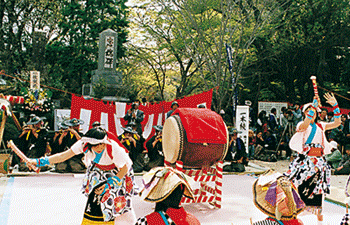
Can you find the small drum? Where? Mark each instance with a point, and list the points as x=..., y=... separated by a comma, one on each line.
x=193, y=155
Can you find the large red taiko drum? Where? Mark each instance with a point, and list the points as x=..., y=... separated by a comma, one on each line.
x=197, y=137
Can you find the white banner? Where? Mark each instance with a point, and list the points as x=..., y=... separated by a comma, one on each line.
x=34, y=80
x=242, y=123
x=60, y=116
x=267, y=106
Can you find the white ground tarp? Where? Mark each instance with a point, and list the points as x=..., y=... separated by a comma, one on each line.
x=56, y=199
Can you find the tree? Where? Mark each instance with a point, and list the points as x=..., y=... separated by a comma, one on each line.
x=73, y=52
x=20, y=22
x=205, y=26
x=311, y=38
x=162, y=51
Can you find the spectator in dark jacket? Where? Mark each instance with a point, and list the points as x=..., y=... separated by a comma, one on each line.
x=270, y=140
x=135, y=115
x=237, y=152
x=273, y=120
x=174, y=106
x=155, y=149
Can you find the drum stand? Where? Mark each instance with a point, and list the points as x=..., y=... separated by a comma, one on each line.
x=205, y=193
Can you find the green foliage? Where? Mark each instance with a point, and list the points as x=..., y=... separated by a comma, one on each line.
x=310, y=38
x=73, y=54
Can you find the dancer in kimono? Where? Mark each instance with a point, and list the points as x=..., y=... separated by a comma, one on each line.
x=310, y=171
x=108, y=183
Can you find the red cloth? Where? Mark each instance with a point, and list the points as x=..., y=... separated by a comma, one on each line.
x=179, y=216
x=289, y=222
x=293, y=222
x=202, y=125
x=112, y=136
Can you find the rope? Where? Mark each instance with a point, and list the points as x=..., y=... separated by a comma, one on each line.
x=46, y=86
x=334, y=93
x=56, y=89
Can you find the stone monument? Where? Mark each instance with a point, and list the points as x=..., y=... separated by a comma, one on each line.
x=107, y=60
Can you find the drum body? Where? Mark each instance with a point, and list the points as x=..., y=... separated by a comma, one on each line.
x=193, y=155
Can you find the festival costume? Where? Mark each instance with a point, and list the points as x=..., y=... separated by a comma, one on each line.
x=310, y=171
x=117, y=200
x=159, y=183
x=172, y=216
x=155, y=154
x=278, y=198
x=73, y=164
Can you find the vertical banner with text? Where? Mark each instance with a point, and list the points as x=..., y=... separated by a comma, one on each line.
x=242, y=123
x=34, y=80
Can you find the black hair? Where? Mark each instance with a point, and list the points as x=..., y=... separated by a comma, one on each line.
x=324, y=109
x=273, y=110
x=96, y=132
x=172, y=201
x=262, y=114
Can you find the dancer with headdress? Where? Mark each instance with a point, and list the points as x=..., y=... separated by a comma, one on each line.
x=109, y=178
x=166, y=186
x=278, y=198
x=309, y=171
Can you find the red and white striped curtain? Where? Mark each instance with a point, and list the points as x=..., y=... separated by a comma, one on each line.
x=111, y=115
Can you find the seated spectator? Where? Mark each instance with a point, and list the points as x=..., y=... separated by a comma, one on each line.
x=155, y=149
x=55, y=146
x=344, y=165
x=133, y=146
x=335, y=157
x=251, y=147
x=138, y=137
x=270, y=141
x=259, y=143
x=67, y=138
x=174, y=106
x=268, y=152
x=236, y=153
x=165, y=186
x=96, y=124
x=33, y=139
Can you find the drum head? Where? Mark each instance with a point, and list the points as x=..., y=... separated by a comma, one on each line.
x=226, y=145
x=171, y=140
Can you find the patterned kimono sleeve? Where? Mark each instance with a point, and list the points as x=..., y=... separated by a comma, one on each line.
x=141, y=221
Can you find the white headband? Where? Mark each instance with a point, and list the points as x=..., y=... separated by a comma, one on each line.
x=95, y=141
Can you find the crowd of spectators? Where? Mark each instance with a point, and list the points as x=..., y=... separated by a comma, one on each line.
x=269, y=138
x=36, y=141
x=270, y=134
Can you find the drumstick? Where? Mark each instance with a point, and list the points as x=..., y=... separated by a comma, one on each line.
x=14, y=148
x=313, y=78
